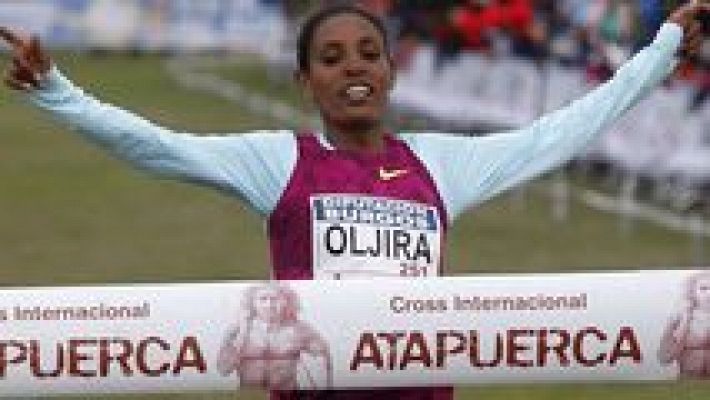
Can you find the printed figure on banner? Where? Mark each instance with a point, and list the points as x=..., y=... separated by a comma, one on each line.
x=686, y=339
x=271, y=348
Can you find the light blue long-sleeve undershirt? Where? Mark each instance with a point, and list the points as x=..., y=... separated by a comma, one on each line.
x=467, y=170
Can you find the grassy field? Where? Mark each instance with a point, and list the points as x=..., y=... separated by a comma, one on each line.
x=69, y=214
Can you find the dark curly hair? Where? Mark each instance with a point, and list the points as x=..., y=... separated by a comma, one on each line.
x=305, y=37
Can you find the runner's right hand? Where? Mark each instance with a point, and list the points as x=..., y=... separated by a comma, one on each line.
x=30, y=62
x=688, y=17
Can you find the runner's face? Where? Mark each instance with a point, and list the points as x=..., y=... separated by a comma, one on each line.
x=350, y=72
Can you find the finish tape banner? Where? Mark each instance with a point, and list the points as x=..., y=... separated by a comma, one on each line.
x=652, y=325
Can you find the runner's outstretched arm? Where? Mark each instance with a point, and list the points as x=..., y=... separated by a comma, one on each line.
x=253, y=166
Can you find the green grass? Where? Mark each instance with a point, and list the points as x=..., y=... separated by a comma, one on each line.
x=251, y=74
x=519, y=235
x=69, y=214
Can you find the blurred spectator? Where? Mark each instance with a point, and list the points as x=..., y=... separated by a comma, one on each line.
x=651, y=14
x=475, y=22
x=701, y=80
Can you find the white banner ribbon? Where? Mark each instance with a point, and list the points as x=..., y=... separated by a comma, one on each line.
x=651, y=325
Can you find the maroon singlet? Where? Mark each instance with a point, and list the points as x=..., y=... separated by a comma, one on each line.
x=365, y=204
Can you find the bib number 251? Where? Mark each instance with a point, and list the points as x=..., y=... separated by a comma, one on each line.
x=413, y=271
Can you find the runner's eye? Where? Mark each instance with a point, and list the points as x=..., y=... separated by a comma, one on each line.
x=369, y=50
x=331, y=55
x=330, y=60
x=371, y=55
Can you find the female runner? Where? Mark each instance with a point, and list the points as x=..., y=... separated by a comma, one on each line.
x=355, y=200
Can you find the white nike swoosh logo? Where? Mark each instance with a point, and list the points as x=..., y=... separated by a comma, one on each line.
x=388, y=175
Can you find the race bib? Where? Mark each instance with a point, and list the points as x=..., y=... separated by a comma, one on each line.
x=364, y=237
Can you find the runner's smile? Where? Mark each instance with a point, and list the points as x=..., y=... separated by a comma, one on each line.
x=357, y=93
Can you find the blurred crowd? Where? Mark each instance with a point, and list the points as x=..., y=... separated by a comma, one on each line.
x=594, y=35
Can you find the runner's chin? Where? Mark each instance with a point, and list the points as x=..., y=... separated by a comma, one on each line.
x=368, y=111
